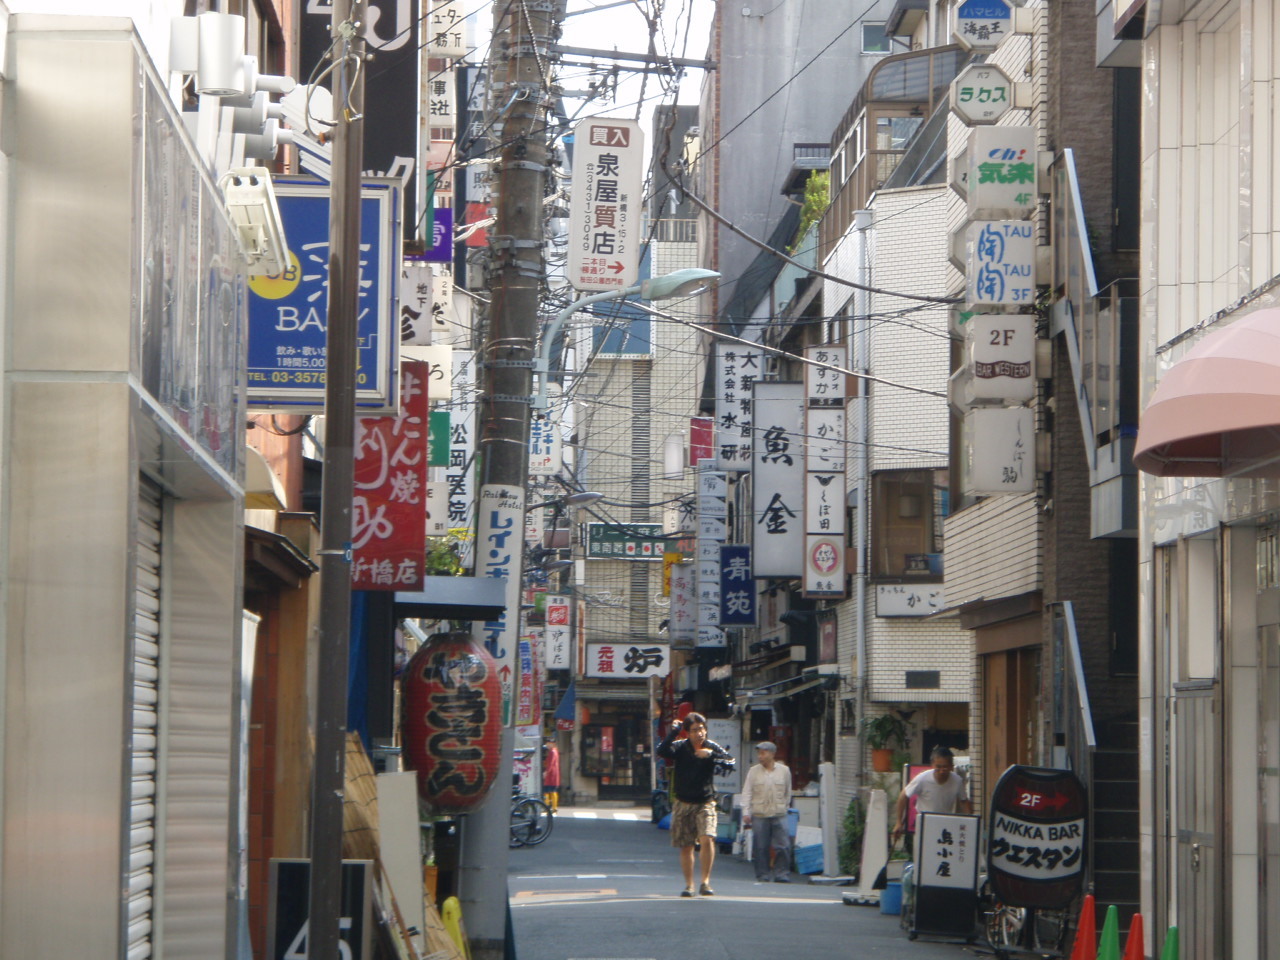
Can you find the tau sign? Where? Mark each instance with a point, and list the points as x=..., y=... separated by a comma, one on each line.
x=605, y=204
x=981, y=93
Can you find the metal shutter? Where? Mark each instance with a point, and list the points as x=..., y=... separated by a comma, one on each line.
x=146, y=674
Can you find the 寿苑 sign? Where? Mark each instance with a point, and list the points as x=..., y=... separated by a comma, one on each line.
x=628, y=661
x=1000, y=177
x=999, y=451
x=1001, y=263
x=288, y=312
x=737, y=370
x=632, y=541
x=1037, y=838
x=981, y=93
x=777, y=480
x=981, y=24
x=605, y=206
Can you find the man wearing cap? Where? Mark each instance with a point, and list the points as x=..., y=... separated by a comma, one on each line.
x=766, y=797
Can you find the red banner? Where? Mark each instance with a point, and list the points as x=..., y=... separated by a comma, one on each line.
x=701, y=439
x=389, y=510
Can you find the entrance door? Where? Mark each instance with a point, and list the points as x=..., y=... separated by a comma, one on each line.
x=1269, y=789
x=1198, y=793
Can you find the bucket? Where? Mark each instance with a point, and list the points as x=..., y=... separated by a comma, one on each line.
x=891, y=898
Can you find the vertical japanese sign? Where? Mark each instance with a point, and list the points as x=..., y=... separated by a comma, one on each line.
x=713, y=511
x=825, y=390
x=737, y=586
x=544, y=438
x=999, y=451
x=446, y=36
x=947, y=854
x=416, y=300
x=605, y=208
x=529, y=700
x=1000, y=171
x=777, y=480
x=389, y=507
x=702, y=439
x=738, y=369
x=1001, y=261
x=460, y=473
x=499, y=544
x=683, y=624
x=1000, y=350
x=557, y=628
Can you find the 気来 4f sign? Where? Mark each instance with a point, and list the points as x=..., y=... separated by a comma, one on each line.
x=605, y=207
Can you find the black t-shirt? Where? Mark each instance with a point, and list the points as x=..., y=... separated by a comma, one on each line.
x=692, y=776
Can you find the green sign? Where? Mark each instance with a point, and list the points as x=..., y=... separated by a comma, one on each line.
x=438, y=439
x=630, y=541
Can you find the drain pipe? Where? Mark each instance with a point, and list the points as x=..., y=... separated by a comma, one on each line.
x=862, y=477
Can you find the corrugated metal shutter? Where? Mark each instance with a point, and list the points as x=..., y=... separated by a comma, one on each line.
x=146, y=677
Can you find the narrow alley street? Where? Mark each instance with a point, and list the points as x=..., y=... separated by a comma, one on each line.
x=606, y=884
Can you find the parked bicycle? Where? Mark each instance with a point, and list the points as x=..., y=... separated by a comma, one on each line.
x=1013, y=930
x=531, y=818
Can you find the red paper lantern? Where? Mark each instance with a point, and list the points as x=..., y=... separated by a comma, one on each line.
x=451, y=723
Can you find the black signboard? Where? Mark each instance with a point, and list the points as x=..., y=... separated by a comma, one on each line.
x=1037, y=838
x=289, y=907
x=391, y=86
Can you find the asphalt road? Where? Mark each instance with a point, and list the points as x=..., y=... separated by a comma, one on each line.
x=606, y=886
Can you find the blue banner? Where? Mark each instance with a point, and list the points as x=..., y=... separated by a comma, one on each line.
x=737, y=586
x=288, y=312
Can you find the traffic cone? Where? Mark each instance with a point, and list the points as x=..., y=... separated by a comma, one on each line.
x=1170, y=951
x=1086, y=946
x=1134, y=944
x=1109, y=946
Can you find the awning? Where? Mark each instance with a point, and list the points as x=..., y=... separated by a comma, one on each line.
x=262, y=488
x=781, y=688
x=454, y=598
x=1216, y=413
x=568, y=705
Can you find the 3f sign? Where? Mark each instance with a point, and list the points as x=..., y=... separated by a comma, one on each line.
x=298, y=949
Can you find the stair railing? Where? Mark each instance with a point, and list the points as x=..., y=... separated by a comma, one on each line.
x=1072, y=738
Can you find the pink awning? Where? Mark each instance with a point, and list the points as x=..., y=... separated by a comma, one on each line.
x=1217, y=412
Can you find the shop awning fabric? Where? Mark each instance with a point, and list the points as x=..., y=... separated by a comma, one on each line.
x=1216, y=413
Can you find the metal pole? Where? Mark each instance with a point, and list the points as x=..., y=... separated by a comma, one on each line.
x=327, y=775
x=521, y=80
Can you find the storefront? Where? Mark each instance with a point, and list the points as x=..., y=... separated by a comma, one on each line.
x=615, y=748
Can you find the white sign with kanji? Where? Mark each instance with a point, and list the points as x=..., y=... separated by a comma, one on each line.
x=628, y=661
x=999, y=451
x=605, y=207
x=947, y=851
x=981, y=24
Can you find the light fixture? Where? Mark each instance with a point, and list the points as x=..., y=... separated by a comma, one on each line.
x=251, y=202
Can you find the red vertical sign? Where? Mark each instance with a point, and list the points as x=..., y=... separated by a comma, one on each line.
x=389, y=510
x=701, y=439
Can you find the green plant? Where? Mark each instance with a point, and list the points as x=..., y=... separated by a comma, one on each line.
x=817, y=197
x=852, y=829
x=880, y=730
x=442, y=558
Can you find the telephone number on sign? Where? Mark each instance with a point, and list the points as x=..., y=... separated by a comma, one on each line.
x=297, y=377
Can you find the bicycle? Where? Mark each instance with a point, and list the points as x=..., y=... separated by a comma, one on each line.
x=1011, y=930
x=531, y=819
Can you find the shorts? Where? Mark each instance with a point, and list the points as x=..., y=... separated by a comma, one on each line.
x=689, y=821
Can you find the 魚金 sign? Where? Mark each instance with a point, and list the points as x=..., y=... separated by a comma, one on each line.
x=605, y=206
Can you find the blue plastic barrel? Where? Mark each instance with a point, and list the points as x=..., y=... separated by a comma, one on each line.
x=793, y=821
x=891, y=898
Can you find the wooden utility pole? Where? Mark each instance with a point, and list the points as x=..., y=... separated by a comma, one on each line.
x=519, y=98
x=328, y=771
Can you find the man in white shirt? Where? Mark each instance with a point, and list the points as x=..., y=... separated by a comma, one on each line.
x=766, y=797
x=940, y=790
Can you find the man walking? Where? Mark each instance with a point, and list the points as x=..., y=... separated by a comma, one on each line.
x=940, y=790
x=766, y=797
x=694, y=761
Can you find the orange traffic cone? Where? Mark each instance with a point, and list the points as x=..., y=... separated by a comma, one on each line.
x=1086, y=947
x=1133, y=945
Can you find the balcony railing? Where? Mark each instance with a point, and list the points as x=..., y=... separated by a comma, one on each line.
x=1073, y=742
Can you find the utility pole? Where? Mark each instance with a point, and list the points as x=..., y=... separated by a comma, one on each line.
x=328, y=769
x=519, y=87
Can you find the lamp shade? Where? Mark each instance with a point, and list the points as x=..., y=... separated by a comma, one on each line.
x=451, y=723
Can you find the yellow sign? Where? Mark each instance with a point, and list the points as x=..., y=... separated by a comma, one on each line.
x=277, y=286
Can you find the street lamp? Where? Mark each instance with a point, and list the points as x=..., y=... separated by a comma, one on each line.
x=678, y=283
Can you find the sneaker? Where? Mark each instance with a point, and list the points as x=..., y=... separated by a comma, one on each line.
x=781, y=879
x=706, y=890
x=686, y=893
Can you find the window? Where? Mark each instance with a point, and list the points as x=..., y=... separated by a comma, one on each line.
x=874, y=39
x=907, y=510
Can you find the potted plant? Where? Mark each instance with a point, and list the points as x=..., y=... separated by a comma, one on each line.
x=879, y=732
